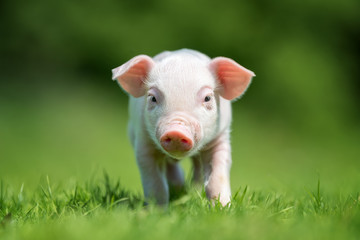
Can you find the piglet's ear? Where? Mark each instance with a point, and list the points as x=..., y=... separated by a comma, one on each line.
x=233, y=78
x=131, y=75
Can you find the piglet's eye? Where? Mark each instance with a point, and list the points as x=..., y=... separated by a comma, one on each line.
x=207, y=99
x=153, y=99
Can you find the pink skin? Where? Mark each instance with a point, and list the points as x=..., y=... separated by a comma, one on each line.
x=180, y=107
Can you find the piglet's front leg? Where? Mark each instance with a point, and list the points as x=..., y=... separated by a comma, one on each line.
x=217, y=163
x=153, y=175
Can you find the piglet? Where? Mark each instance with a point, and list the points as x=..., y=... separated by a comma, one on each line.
x=180, y=107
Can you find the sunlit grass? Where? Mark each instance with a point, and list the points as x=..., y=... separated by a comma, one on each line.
x=103, y=207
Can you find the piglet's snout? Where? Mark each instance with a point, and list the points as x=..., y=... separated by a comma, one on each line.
x=177, y=140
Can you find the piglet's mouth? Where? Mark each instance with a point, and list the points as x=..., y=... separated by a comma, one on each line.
x=177, y=140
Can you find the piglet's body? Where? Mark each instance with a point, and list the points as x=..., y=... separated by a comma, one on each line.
x=180, y=107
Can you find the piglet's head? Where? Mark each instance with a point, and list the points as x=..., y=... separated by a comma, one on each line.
x=182, y=97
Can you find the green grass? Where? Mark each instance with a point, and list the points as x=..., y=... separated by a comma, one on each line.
x=288, y=182
x=103, y=209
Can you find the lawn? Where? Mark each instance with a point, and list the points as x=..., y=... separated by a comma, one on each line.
x=67, y=172
x=104, y=209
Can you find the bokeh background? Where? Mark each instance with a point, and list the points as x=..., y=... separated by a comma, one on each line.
x=62, y=116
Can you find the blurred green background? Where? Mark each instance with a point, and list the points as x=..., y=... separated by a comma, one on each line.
x=62, y=116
